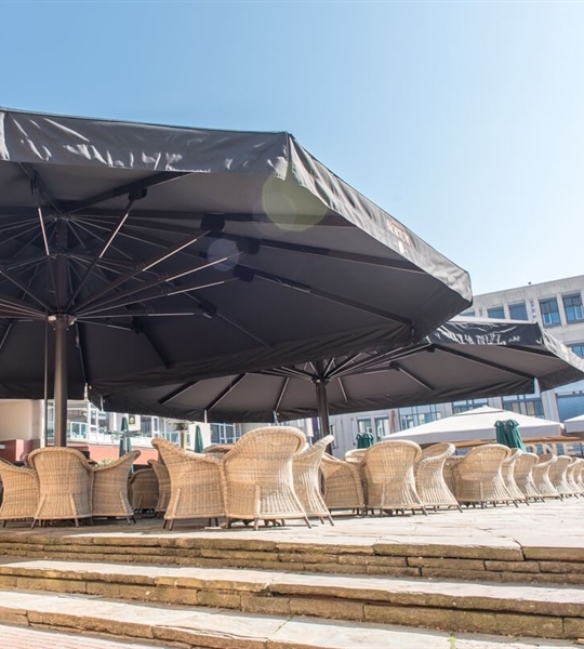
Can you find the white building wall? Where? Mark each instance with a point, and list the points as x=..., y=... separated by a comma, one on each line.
x=19, y=419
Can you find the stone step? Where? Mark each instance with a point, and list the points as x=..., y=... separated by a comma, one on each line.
x=61, y=620
x=327, y=550
x=505, y=609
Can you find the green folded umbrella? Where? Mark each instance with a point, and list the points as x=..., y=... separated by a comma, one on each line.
x=507, y=433
x=365, y=440
x=198, y=440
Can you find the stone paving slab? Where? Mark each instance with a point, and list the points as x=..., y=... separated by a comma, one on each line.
x=139, y=625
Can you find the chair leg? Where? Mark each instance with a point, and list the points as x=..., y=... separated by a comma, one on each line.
x=307, y=522
x=330, y=518
x=170, y=524
x=256, y=523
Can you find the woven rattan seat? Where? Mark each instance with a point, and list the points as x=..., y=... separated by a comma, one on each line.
x=478, y=476
x=541, y=476
x=218, y=449
x=342, y=485
x=524, y=476
x=429, y=474
x=558, y=475
x=508, y=469
x=143, y=490
x=195, y=484
x=258, y=476
x=306, y=465
x=388, y=474
x=20, y=493
x=110, y=488
x=65, y=484
x=163, y=478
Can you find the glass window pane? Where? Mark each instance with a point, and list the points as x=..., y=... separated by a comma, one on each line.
x=364, y=425
x=496, y=312
x=381, y=427
x=573, y=307
x=518, y=311
x=578, y=349
x=549, y=312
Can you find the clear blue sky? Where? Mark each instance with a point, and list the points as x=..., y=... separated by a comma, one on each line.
x=465, y=120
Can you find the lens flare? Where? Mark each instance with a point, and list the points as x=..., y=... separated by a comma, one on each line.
x=223, y=249
x=290, y=206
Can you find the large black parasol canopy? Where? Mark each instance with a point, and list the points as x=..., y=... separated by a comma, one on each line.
x=133, y=249
x=462, y=359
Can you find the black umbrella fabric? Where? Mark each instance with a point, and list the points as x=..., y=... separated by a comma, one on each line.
x=462, y=359
x=149, y=248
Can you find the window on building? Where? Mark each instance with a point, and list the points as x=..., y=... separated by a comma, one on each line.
x=524, y=405
x=381, y=427
x=573, y=307
x=497, y=312
x=470, y=313
x=570, y=405
x=364, y=425
x=518, y=311
x=578, y=349
x=550, y=312
x=224, y=434
x=468, y=404
x=417, y=415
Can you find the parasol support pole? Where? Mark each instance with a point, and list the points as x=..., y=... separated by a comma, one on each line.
x=60, y=325
x=323, y=408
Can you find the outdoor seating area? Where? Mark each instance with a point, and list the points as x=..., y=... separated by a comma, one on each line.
x=271, y=476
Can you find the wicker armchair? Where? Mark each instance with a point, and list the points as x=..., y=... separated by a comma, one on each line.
x=508, y=469
x=429, y=474
x=541, y=476
x=388, y=474
x=65, y=484
x=478, y=477
x=579, y=475
x=143, y=490
x=20, y=494
x=572, y=475
x=524, y=476
x=342, y=485
x=110, y=488
x=558, y=475
x=258, y=476
x=305, y=466
x=195, y=484
x=163, y=477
